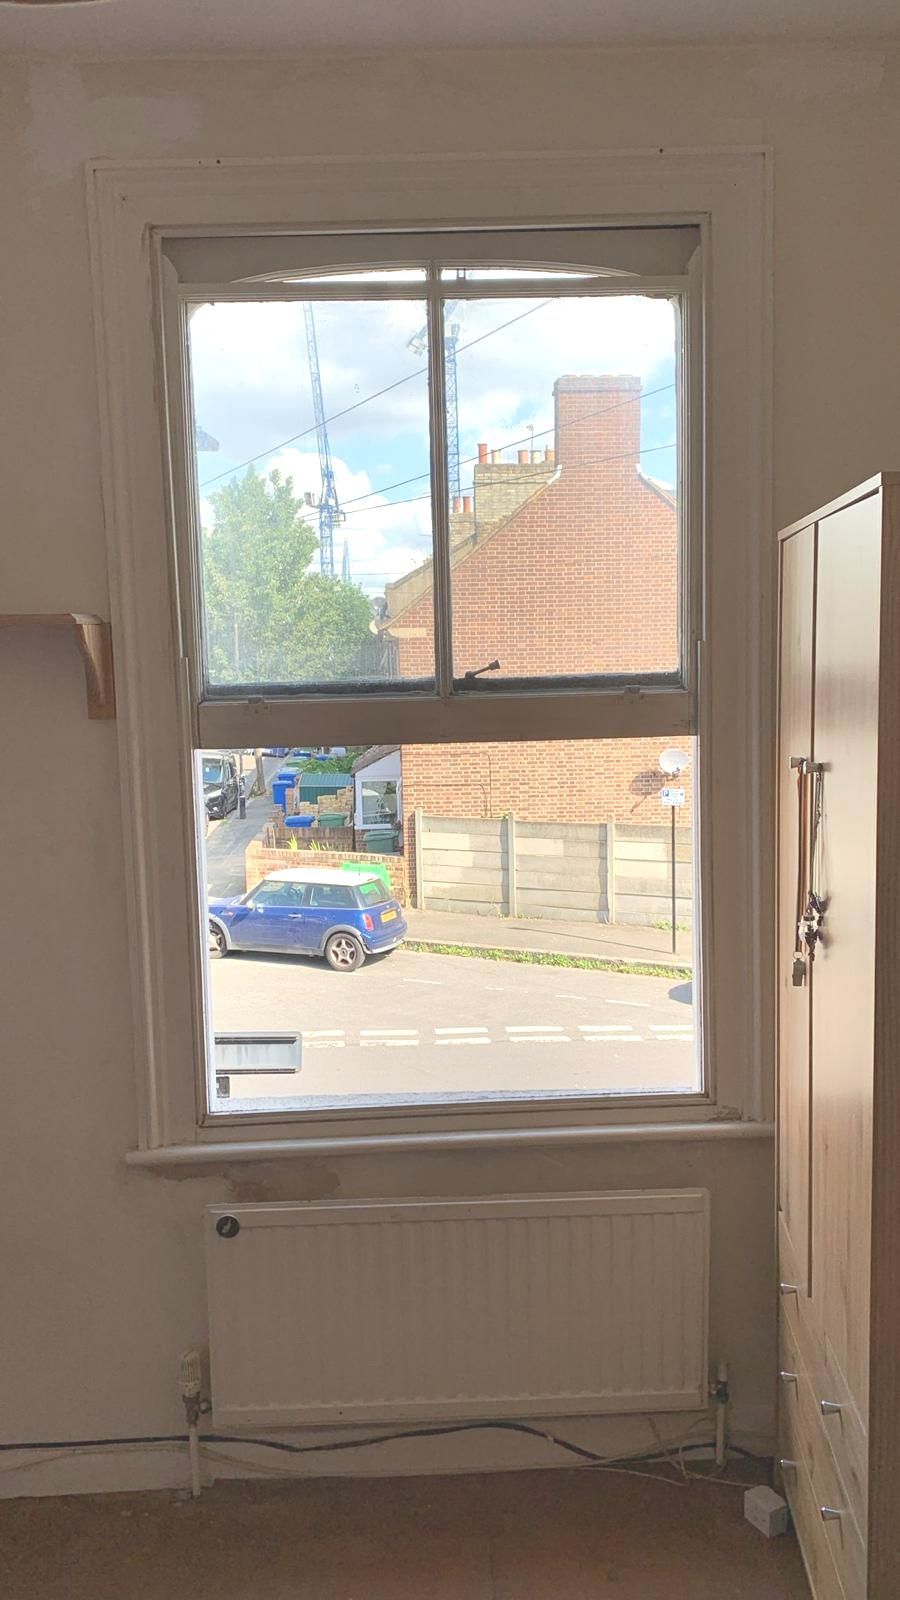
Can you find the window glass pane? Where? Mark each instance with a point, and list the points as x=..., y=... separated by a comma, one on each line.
x=302, y=526
x=375, y=275
x=564, y=523
x=541, y=875
x=494, y=274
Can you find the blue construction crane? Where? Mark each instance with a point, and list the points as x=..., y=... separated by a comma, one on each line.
x=330, y=513
x=419, y=344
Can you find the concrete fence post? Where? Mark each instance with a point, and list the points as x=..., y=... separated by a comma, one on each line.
x=610, y=871
x=512, y=897
x=418, y=830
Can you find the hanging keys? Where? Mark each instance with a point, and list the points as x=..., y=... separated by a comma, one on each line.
x=809, y=928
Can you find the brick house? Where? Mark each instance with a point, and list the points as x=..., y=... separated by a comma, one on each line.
x=562, y=562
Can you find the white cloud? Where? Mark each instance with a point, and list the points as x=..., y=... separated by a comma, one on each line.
x=252, y=389
x=384, y=541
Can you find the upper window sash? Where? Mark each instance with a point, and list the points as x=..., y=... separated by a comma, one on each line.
x=442, y=706
x=639, y=251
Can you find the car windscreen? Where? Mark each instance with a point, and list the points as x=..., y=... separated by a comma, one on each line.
x=373, y=892
x=213, y=772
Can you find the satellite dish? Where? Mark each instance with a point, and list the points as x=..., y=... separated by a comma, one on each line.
x=673, y=761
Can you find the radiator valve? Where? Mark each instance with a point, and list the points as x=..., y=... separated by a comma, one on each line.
x=190, y=1386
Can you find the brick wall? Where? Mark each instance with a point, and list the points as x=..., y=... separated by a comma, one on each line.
x=259, y=861
x=565, y=780
x=582, y=577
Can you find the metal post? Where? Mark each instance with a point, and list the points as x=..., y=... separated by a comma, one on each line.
x=512, y=895
x=674, y=935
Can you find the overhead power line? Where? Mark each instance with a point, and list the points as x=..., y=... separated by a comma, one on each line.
x=511, y=444
x=620, y=455
x=366, y=400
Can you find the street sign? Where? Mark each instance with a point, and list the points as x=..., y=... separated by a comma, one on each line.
x=671, y=797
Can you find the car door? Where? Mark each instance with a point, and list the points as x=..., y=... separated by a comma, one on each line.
x=271, y=916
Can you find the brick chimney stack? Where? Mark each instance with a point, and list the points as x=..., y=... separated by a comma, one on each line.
x=598, y=421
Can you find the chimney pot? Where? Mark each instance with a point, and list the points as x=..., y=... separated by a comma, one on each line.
x=467, y=503
x=523, y=458
x=457, y=503
x=495, y=456
x=550, y=455
x=482, y=453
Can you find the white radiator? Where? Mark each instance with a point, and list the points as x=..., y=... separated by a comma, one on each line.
x=557, y=1305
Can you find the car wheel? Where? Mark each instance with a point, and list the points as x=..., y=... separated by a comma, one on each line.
x=218, y=938
x=344, y=953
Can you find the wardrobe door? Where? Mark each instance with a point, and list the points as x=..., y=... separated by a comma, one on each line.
x=846, y=734
x=795, y=744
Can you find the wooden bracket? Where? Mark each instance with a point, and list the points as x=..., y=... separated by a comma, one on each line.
x=92, y=637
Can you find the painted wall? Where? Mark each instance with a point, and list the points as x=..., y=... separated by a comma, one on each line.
x=103, y=1278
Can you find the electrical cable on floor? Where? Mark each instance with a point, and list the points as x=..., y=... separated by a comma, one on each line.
x=591, y=1458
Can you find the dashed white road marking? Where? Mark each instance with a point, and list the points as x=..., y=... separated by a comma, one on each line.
x=471, y=1029
x=612, y=1038
x=643, y=1004
x=573, y=997
x=468, y=1038
x=325, y=1044
x=535, y=1027
x=684, y=1038
x=324, y=1033
x=540, y=1038
x=386, y=1044
x=605, y=1027
x=432, y=982
x=388, y=1033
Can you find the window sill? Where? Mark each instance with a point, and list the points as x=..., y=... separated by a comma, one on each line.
x=226, y=1153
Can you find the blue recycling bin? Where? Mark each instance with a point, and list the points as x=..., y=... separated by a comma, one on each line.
x=286, y=775
x=299, y=822
x=279, y=791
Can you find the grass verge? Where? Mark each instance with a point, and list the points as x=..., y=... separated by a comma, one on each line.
x=549, y=958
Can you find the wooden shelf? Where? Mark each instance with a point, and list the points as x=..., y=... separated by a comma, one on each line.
x=91, y=634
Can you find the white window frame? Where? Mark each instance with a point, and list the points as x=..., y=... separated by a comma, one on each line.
x=727, y=195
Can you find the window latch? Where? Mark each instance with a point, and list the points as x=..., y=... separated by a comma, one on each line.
x=492, y=666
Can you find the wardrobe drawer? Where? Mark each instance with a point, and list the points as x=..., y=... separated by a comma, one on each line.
x=823, y=1512
x=845, y=1434
x=817, y=1558
x=842, y=1428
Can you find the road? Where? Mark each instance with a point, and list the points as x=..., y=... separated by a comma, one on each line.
x=432, y=1027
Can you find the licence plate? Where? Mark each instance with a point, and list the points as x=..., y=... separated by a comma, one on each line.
x=388, y=916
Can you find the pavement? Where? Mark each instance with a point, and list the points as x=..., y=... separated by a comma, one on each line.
x=416, y=1027
x=227, y=839
x=608, y=940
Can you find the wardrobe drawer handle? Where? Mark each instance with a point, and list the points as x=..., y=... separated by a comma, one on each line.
x=788, y=1377
x=830, y=1514
x=787, y=1465
x=830, y=1408
x=788, y=1288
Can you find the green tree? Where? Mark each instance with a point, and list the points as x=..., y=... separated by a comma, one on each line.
x=269, y=618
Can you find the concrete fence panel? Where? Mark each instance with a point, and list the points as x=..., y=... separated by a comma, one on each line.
x=566, y=872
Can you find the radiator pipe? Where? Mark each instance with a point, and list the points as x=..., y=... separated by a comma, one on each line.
x=721, y=1396
x=194, y=1457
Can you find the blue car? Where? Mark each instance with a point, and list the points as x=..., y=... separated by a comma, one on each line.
x=311, y=911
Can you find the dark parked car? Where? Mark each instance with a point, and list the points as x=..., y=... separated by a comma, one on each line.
x=221, y=784
x=311, y=911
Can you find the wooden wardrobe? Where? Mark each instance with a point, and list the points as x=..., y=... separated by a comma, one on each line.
x=838, y=952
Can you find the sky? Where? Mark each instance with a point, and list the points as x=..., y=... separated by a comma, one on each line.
x=253, y=394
